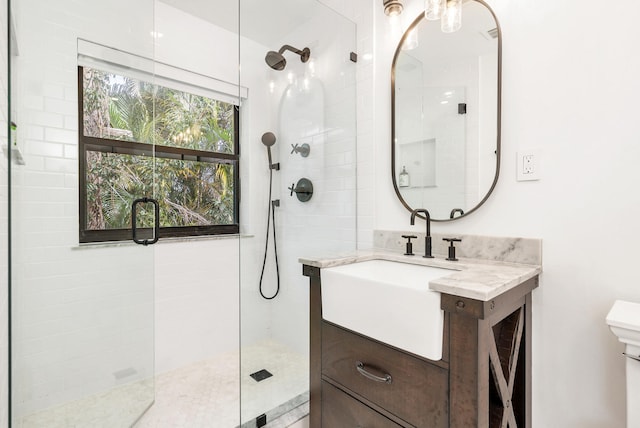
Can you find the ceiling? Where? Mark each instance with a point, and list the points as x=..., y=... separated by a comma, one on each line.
x=264, y=21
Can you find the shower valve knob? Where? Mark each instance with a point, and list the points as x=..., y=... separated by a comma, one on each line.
x=299, y=190
x=303, y=190
x=304, y=149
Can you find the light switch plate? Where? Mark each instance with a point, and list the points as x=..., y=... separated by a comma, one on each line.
x=528, y=165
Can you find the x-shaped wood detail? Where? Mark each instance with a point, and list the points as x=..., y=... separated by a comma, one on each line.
x=504, y=386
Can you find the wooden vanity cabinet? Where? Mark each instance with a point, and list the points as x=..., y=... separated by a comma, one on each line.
x=483, y=379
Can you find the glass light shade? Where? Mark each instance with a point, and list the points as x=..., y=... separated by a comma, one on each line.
x=411, y=41
x=392, y=7
x=433, y=9
x=452, y=16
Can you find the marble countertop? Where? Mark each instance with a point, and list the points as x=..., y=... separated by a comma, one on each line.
x=472, y=278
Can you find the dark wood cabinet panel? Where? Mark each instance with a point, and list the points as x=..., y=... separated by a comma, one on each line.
x=341, y=410
x=418, y=391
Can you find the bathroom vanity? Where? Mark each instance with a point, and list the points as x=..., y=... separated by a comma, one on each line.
x=478, y=375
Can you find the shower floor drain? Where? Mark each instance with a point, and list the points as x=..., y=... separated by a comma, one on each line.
x=260, y=375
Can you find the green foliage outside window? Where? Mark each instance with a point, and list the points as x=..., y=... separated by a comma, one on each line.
x=194, y=184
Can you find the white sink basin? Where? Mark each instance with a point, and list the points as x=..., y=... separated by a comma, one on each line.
x=387, y=301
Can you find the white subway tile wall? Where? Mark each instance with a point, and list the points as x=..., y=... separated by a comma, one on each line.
x=361, y=13
x=366, y=193
x=319, y=111
x=83, y=317
x=312, y=104
x=196, y=301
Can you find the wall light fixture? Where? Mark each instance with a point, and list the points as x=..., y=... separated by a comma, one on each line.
x=449, y=12
x=392, y=7
x=433, y=9
x=452, y=17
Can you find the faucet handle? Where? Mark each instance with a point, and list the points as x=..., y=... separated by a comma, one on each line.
x=409, y=245
x=452, y=248
x=303, y=149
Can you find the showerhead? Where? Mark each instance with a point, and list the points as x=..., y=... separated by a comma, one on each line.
x=277, y=61
x=268, y=139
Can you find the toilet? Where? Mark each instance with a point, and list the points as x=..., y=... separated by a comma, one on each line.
x=624, y=321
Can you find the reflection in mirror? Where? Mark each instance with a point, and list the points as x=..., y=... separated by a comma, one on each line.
x=446, y=114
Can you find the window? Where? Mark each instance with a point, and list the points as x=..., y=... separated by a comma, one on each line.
x=141, y=140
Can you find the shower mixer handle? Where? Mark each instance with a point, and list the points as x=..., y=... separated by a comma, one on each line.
x=293, y=189
x=298, y=189
x=304, y=149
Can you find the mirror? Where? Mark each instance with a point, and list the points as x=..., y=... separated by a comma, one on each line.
x=445, y=115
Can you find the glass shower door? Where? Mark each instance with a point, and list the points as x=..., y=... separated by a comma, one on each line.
x=300, y=75
x=4, y=210
x=82, y=296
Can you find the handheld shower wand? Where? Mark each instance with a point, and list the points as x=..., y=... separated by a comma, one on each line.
x=269, y=139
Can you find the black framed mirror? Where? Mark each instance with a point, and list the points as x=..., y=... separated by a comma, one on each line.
x=446, y=113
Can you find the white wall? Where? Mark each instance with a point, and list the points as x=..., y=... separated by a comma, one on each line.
x=570, y=88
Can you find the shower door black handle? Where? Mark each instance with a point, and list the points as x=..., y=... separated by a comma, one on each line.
x=134, y=217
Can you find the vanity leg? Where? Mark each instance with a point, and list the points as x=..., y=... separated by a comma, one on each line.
x=527, y=390
x=469, y=372
x=315, y=363
x=528, y=364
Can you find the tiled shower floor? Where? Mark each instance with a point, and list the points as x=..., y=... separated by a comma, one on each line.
x=201, y=395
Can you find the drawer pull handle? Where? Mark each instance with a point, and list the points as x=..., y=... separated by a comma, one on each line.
x=384, y=379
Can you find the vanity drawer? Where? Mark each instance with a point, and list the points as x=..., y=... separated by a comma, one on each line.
x=341, y=410
x=418, y=392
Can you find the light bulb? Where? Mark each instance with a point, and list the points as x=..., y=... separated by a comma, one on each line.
x=433, y=9
x=452, y=16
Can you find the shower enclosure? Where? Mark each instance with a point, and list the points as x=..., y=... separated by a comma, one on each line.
x=297, y=64
x=108, y=333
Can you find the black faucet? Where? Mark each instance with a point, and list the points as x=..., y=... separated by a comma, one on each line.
x=427, y=238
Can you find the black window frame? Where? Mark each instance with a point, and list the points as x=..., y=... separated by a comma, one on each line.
x=86, y=143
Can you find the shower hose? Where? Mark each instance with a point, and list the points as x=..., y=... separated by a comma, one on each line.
x=271, y=219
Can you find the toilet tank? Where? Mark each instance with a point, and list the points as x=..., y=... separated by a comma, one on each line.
x=624, y=321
